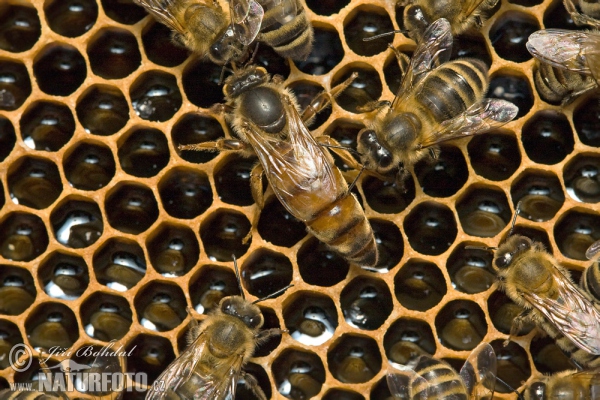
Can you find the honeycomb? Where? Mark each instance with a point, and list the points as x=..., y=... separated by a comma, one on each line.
x=107, y=231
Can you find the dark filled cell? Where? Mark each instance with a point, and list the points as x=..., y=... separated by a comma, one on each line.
x=354, y=359
x=202, y=85
x=575, y=231
x=144, y=153
x=155, y=96
x=473, y=45
x=149, y=354
x=64, y=276
x=209, y=285
x=47, y=126
x=71, y=18
x=327, y=52
x=51, y=325
x=298, y=374
x=327, y=7
x=223, y=234
x=160, y=47
x=34, y=182
x=265, y=272
x=470, y=268
x=556, y=17
x=503, y=312
x=15, y=84
x=494, y=156
x=160, y=306
x=445, y=175
x=23, y=237
x=131, y=208
x=548, y=358
x=17, y=290
x=586, y=119
x=10, y=337
x=173, y=250
x=185, y=193
x=113, y=53
x=509, y=35
x=105, y=316
x=123, y=11
x=483, y=211
x=364, y=89
x=243, y=392
x=547, y=137
x=365, y=24
x=393, y=73
x=582, y=179
x=102, y=110
x=59, y=69
x=20, y=27
x=268, y=58
x=461, y=325
x=194, y=129
x=305, y=93
x=419, y=285
x=512, y=365
x=366, y=303
x=8, y=137
x=310, y=317
x=540, y=194
x=77, y=224
x=406, y=339
x=390, y=244
x=278, y=226
x=512, y=88
x=386, y=197
x=232, y=180
x=430, y=228
x=319, y=265
x=89, y=166
x=119, y=264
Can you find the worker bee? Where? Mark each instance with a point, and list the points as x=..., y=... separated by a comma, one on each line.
x=568, y=63
x=534, y=280
x=266, y=117
x=581, y=385
x=428, y=378
x=205, y=28
x=218, y=349
x=438, y=100
x=462, y=14
x=589, y=15
x=590, y=279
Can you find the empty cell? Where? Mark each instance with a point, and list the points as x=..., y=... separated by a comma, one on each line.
x=173, y=250
x=89, y=165
x=131, y=208
x=102, y=110
x=19, y=27
x=119, y=264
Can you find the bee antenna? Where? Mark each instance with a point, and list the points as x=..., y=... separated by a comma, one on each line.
x=517, y=211
x=274, y=294
x=509, y=387
x=237, y=276
x=355, y=180
x=383, y=35
x=348, y=149
x=254, y=52
x=481, y=248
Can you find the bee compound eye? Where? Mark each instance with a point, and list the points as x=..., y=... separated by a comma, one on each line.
x=503, y=260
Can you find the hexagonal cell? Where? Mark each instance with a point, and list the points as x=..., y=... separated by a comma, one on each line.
x=380, y=390
x=419, y=285
x=232, y=179
x=494, y=156
x=585, y=120
x=430, y=228
x=575, y=231
x=390, y=244
x=512, y=87
x=310, y=317
x=461, y=325
x=64, y=276
x=265, y=272
x=556, y=17
x=327, y=7
x=365, y=23
x=445, y=175
x=131, y=208
x=268, y=58
x=366, y=302
x=503, y=312
x=185, y=193
x=194, y=128
x=106, y=317
x=100, y=358
x=320, y=265
x=364, y=89
x=102, y=110
x=581, y=178
x=89, y=165
x=113, y=53
x=509, y=34
x=119, y=264
x=23, y=236
x=201, y=83
x=540, y=193
x=222, y=234
x=547, y=137
x=9, y=337
x=149, y=354
x=354, y=359
x=277, y=226
x=306, y=92
x=17, y=291
x=155, y=96
x=71, y=18
x=547, y=357
x=123, y=11
x=298, y=374
x=386, y=197
x=15, y=85
x=261, y=377
x=34, y=182
x=471, y=269
x=473, y=45
x=52, y=324
x=512, y=364
x=406, y=339
x=143, y=152
x=173, y=250
x=327, y=52
x=342, y=394
x=59, y=69
x=160, y=306
x=20, y=28
x=8, y=137
x=210, y=285
x=77, y=224
x=160, y=48
x=47, y=126
x=483, y=211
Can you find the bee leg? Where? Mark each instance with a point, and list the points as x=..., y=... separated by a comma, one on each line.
x=264, y=335
x=323, y=100
x=256, y=188
x=403, y=59
x=516, y=326
x=194, y=330
x=219, y=145
x=252, y=384
x=341, y=151
x=374, y=105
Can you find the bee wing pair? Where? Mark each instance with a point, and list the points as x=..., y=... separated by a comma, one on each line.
x=433, y=51
x=478, y=377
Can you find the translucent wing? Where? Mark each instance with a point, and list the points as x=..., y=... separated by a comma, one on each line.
x=571, y=313
x=199, y=383
x=433, y=50
x=247, y=16
x=593, y=252
x=479, y=372
x=297, y=167
x=470, y=6
x=162, y=11
x=402, y=379
x=576, y=51
x=480, y=117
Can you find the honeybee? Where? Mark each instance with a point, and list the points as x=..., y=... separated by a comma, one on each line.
x=218, y=349
x=205, y=28
x=433, y=105
x=569, y=63
x=589, y=15
x=429, y=378
x=462, y=14
x=590, y=279
x=580, y=385
x=303, y=176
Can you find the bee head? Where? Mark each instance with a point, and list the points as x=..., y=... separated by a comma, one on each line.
x=238, y=307
x=244, y=79
x=514, y=246
x=373, y=154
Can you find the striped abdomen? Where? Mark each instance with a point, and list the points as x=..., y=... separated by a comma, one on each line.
x=450, y=89
x=590, y=281
x=556, y=84
x=443, y=382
